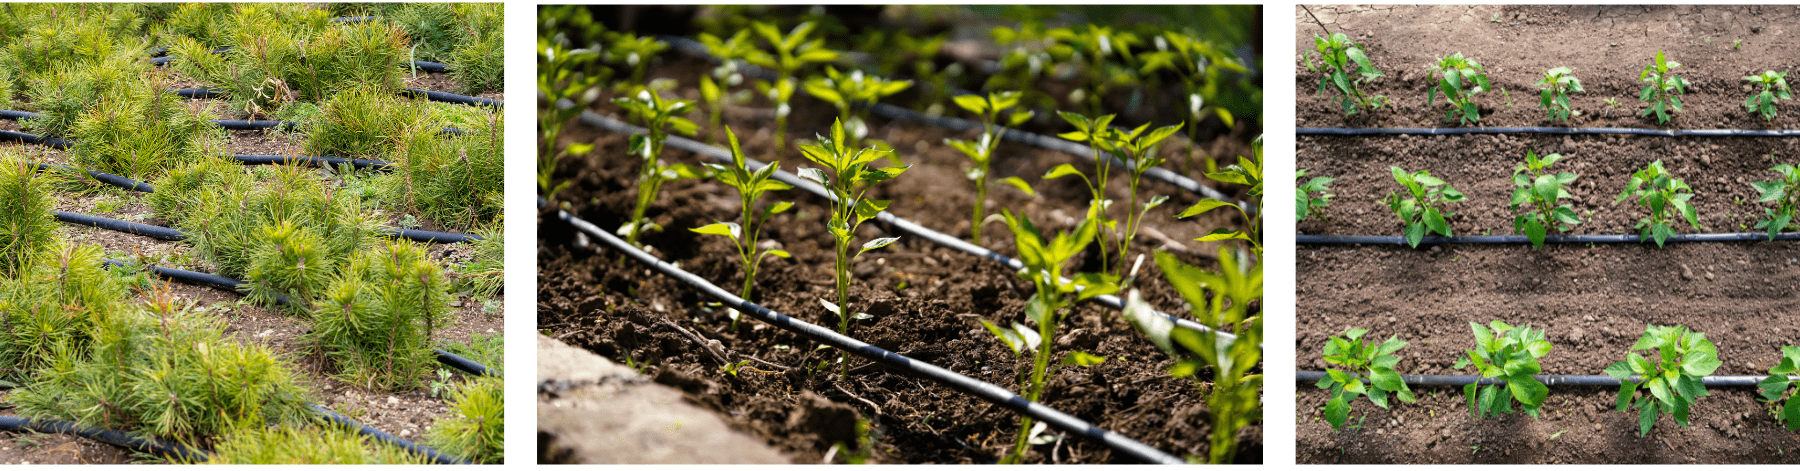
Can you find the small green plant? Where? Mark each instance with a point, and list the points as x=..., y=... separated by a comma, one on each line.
x=1662, y=194
x=1305, y=201
x=981, y=152
x=1420, y=209
x=476, y=427
x=26, y=202
x=1537, y=191
x=292, y=444
x=1136, y=149
x=1097, y=133
x=1736, y=43
x=1459, y=79
x=1674, y=382
x=659, y=117
x=1234, y=399
x=570, y=75
x=1774, y=87
x=1785, y=193
x=1505, y=354
x=1361, y=361
x=1044, y=262
x=846, y=90
x=376, y=319
x=1663, y=90
x=850, y=180
x=750, y=186
x=1248, y=171
x=633, y=51
x=1558, y=83
x=1347, y=68
x=1777, y=384
x=365, y=123
x=793, y=52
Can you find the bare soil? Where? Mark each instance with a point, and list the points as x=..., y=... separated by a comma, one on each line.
x=1594, y=300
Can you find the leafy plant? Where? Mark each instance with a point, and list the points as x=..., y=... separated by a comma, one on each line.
x=1420, y=209
x=659, y=117
x=563, y=75
x=1305, y=203
x=1347, y=68
x=1459, y=79
x=1201, y=66
x=1248, y=171
x=1361, y=361
x=1776, y=385
x=1785, y=193
x=1674, y=382
x=635, y=52
x=1554, y=97
x=1097, y=133
x=1234, y=399
x=713, y=92
x=750, y=186
x=981, y=152
x=1663, y=90
x=1538, y=191
x=1505, y=354
x=843, y=90
x=1662, y=194
x=851, y=178
x=792, y=53
x=1044, y=261
x=1774, y=87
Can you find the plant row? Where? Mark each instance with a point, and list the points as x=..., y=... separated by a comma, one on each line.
x=1538, y=192
x=1346, y=70
x=1507, y=358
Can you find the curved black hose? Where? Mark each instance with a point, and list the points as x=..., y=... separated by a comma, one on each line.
x=1549, y=130
x=34, y=139
x=465, y=364
x=128, y=441
x=200, y=93
x=104, y=177
x=978, y=388
x=1548, y=380
x=429, y=236
x=896, y=222
x=371, y=432
x=451, y=97
x=309, y=160
x=127, y=227
x=1548, y=239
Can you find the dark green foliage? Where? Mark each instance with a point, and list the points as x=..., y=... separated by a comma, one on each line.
x=1774, y=87
x=1662, y=90
x=226, y=217
x=376, y=319
x=1662, y=194
x=142, y=131
x=1347, y=69
x=475, y=429
x=26, y=224
x=1774, y=387
x=1305, y=204
x=1537, y=191
x=1785, y=193
x=1361, y=361
x=1506, y=354
x=65, y=94
x=1420, y=208
x=53, y=304
x=1459, y=79
x=1674, y=383
x=1558, y=83
x=263, y=73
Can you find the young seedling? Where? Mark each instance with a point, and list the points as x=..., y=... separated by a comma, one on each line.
x=1538, y=191
x=1201, y=66
x=850, y=180
x=1785, y=193
x=1657, y=190
x=1510, y=355
x=1420, y=209
x=1044, y=261
x=1097, y=133
x=714, y=91
x=1663, y=91
x=1248, y=171
x=1554, y=97
x=563, y=74
x=1137, y=149
x=1347, y=68
x=845, y=91
x=1234, y=399
x=750, y=185
x=981, y=152
x=1774, y=87
x=1361, y=361
x=1459, y=79
x=659, y=117
x=1305, y=201
x=792, y=53
x=1674, y=383
x=633, y=51
x=1777, y=384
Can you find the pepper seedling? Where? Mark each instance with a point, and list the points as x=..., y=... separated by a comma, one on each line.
x=634, y=51
x=1234, y=401
x=844, y=91
x=563, y=74
x=1347, y=68
x=1305, y=203
x=849, y=182
x=1774, y=87
x=750, y=186
x=1420, y=208
x=1459, y=79
x=1361, y=360
x=1657, y=190
x=792, y=53
x=1777, y=384
x=990, y=108
x=1785, y=193
x=1674, y=383
x=659, y=117
x=1538, y=191
x=1663, y=90
x=714, y=87
x=1097, y=133
x=1554, y=97
x=1201, y=66
x=1507, y=354
x=1248, y=171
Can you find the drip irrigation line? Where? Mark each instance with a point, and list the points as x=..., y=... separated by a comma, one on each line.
x=896, y=222
x=469, y=366
x=697, y=49
x=104, y=177
x=983, y=390
x=353, y=19
x=130, y=441
x=432, y=67
x=451, y=98
x=371, y=432
x=34, y=139
x=1738, y=381
x=434, y=237
x=127, y=227
x=232, y=124
x=1549, y=130
x=1548, y=239
x=200, y=93
x=309, y=160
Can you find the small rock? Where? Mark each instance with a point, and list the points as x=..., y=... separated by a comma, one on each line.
x=1687, y=273
x=1709, y=276
x=1587, y=318
x=393, y=400
x=406, y=433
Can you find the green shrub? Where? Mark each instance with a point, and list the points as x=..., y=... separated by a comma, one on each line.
x=455, y=181
x=479, y=64
x=475, y=429
x=26, y=224
x=484, y=272
x=376, y=319
x=225, y=220
x=292, y=444
x=266, y=70
x=1674, y=382
x=142, y=131
x=65, y=94
x=50, y=36
x=52, y=305
x=365, y=123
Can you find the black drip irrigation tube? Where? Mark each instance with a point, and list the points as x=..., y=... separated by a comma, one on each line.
x=231, y=124
x=104, y=177
x=309, y=160
x=34, y=139
x=1737, y=381
x=125, y=440
x=159, y=57
x=127, y=227
x=1549, y=130
x=451, y=98
x=696, y=49
x=980, y=389
x=371, y=432
x=897, y=223
x=1548, y=239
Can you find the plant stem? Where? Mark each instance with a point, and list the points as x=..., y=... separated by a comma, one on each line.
x=843, y=292
x=980, y=200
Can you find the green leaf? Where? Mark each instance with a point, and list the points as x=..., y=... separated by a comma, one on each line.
x=1625, y=389
x=1336, y=412
x=727, y=229
x=1019, y=183
x=1700, y=363
x=1079, y=358
x=1387, y=379
x=1205, y=204
x=779, y=253
x=1646, y=418
x=876, y=244
x=974, y=103
x=1063, y=170
x=1006, y=336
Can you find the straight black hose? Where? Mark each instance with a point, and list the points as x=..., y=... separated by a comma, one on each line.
x=127, y=227
x=1737, y=381
x=371, y=432
x=466, y=365
x=451, y=97
x=434, y=237
x=309, y=160
x=11, y=136
x=1549, y=130
x=901, y=363
x=896, y=222
x=1548, y=239
x=128, y=441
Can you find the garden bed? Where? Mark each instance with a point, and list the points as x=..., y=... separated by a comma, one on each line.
x=1594, y=299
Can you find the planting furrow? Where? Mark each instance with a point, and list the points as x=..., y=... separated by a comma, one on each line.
x=1548, y=130
x=896, y=222
x=986, y=391
x=1735, y=381
x=1548, y=239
